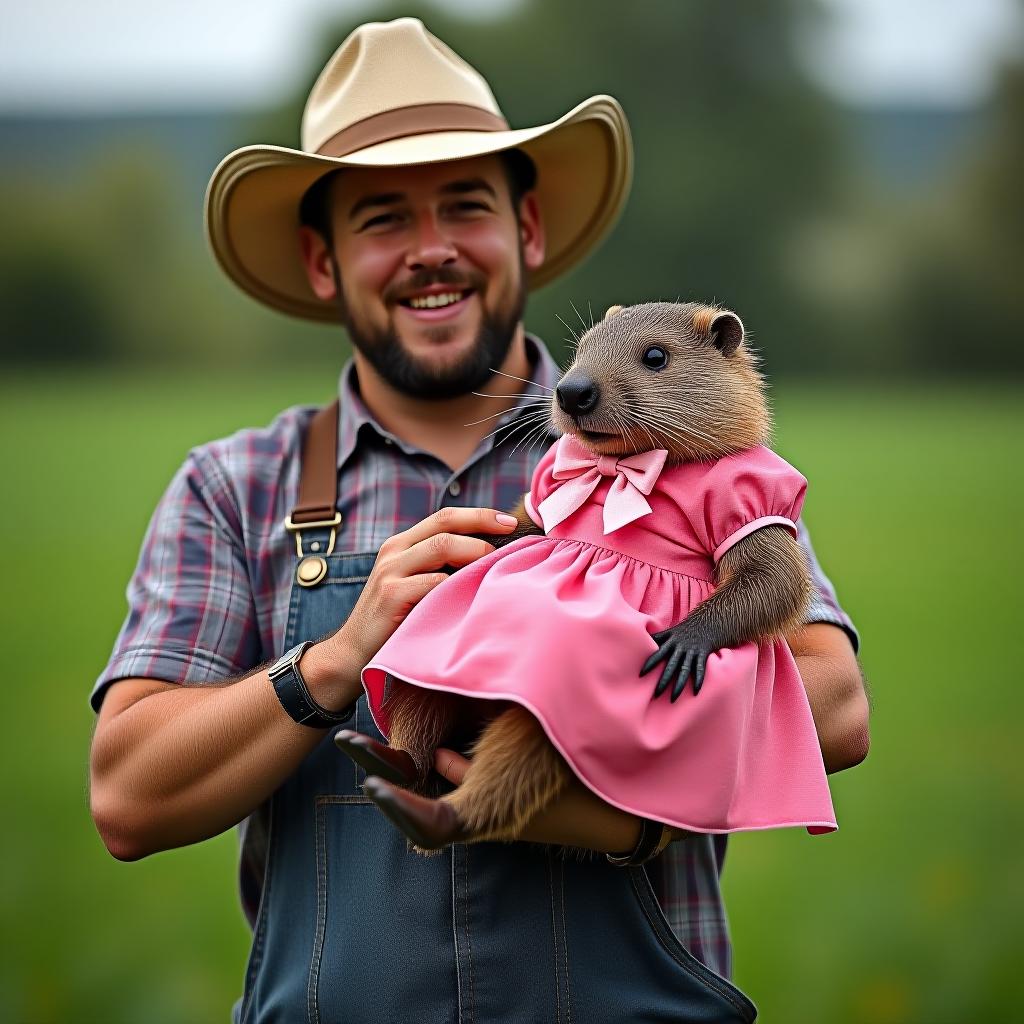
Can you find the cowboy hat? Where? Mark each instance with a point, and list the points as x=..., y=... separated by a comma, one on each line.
x=394, y=95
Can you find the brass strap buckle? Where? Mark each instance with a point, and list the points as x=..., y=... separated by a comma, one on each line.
x=297, y=529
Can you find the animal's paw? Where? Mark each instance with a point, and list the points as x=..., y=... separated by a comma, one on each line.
x=685, y=649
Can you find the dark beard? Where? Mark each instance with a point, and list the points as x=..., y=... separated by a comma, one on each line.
x=386, y=354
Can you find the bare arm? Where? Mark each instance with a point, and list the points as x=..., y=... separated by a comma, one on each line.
x=172, y=764
x=836, y=692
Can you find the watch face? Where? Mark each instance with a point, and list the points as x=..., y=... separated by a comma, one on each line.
x=288, y=659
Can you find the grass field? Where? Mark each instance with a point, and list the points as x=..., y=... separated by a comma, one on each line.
x=910, y=913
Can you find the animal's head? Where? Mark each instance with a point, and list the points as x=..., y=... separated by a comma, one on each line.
x=678, y=376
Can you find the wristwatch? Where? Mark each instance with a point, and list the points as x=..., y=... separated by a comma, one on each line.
x=294, y=695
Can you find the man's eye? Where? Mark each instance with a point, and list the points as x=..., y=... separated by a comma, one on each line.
x=470, y=205
x=380, y=219
x=655, y=358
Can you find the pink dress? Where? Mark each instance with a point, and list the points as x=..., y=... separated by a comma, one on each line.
x=561, y=624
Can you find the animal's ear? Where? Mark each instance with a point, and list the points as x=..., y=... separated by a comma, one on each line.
x=722, y=327
x=726, y=330
x=611, y=311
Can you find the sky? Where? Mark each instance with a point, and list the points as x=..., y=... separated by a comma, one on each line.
x=82, y=55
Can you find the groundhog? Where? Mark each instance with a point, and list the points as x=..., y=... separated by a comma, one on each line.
x=677, y=378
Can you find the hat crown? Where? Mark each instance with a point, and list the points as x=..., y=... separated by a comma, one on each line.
x=384, y=66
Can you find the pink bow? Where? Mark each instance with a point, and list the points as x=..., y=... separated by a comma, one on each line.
x=581, y=471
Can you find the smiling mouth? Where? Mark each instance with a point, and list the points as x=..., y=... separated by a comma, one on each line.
x=441, y=300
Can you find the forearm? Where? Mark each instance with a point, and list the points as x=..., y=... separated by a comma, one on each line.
x=836, y=693
x=187, y=762
x=580, y=819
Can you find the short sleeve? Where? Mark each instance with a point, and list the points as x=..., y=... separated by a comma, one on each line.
x=542, y=484
x=824, y=605
x=191, y=616
x=742, y=493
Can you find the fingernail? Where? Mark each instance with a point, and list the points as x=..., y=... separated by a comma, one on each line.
x=506, y=520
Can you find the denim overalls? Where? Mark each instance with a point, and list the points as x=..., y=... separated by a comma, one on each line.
x=354, y=928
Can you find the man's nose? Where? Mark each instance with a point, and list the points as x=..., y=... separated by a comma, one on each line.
x=431, y=246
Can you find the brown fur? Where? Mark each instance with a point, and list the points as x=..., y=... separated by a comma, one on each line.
x=702, y=406
x=515, y=773
x=702, y=317
x=708, y=402
x=421, y=721
x=762, y=586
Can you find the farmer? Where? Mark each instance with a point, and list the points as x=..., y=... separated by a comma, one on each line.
x=280, y=560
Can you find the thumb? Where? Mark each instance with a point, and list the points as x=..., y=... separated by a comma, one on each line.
x=451, y=765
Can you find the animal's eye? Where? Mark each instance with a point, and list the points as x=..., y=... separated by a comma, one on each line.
x=655, y=358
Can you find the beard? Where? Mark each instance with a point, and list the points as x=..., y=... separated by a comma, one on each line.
x=418, y=378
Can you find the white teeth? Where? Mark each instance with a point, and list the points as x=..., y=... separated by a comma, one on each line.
x=433, y=301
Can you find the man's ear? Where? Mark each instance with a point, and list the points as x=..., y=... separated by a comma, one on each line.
x=531, y=231
x=316, y=261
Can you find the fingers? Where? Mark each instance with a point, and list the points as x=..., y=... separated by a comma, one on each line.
x=451, y=765
x=456, y=520
x=438, y=550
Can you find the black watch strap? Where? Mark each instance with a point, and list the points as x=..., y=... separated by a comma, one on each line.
x=295, y=697
x=654, y=837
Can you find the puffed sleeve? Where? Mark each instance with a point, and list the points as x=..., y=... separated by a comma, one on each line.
x=742, y=493
x=542, y=483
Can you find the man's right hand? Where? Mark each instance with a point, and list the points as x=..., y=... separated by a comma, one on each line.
x=409, y=565
x=173, y=764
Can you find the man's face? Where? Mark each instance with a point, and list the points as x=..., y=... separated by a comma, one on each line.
x=432, y=263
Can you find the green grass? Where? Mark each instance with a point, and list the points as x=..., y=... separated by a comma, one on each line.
x=909, y=913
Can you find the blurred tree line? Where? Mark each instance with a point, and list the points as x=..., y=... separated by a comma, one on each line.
x=748, y=190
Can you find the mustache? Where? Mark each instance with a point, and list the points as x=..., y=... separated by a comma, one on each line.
x=438, y=275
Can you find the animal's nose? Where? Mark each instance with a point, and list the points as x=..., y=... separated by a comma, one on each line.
x=577, y=395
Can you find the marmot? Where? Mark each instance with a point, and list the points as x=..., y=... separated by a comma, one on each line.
x=676, y=378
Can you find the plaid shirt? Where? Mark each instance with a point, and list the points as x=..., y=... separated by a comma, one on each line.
x=209, y=598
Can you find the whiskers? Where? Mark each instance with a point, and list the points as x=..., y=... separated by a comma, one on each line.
x=533, y=427
x=512, y=376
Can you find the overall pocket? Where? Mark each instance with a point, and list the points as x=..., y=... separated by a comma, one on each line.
x=383, y=944
x=626, y=964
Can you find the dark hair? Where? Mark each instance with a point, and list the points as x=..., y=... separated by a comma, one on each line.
x=315, y=209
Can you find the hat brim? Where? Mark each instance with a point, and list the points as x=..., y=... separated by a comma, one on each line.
x=584, y=169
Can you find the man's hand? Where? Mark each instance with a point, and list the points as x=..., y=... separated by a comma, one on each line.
x=407, y=568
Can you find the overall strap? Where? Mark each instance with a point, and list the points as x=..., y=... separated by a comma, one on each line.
x=318, y=474
x=318, y=479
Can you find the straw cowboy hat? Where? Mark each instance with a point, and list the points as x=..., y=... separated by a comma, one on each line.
x=394, y=95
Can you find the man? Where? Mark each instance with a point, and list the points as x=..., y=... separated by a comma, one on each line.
x=421, y=224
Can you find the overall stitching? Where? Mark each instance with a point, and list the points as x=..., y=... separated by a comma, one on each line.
x=469, y=938
x=682, y=956
x=259, y=936
x=319, y=935
x=455, y=933
x=565, y=937
x=312, y=1007
x=554, y=939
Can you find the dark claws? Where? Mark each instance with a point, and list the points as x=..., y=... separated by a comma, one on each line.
x=683, y=676
x=671, y=667
x=662, y=652
x=698, y=675
x=687, y=653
